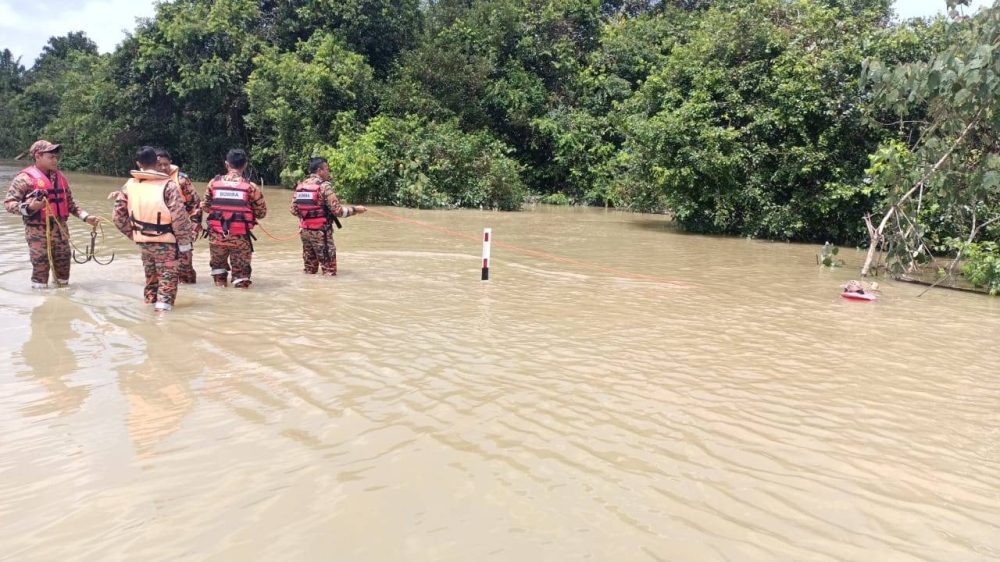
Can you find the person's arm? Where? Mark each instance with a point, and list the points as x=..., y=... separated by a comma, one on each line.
x=16, y=202
x=257, y=204
x=179, y=218
x=192, y=203
x=120, y=214
x=333, y=203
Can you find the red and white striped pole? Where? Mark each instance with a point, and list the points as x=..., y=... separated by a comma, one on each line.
x=487, y=233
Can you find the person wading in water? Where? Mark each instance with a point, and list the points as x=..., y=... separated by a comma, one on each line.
x=150, y=211
x=41, y=195
x=233, y=206
x=317, y=207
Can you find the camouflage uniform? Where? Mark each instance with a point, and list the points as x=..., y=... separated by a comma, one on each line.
x=192, y=204
x=160, y=261
x=234, y=251
x=34, y=234
x=318, y=248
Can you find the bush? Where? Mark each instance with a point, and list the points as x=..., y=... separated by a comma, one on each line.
x=556, y=199
x=982, y=266
x=413, y=162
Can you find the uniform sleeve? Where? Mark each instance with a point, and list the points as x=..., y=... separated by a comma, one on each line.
x=19, y=188
x=330, y=199
x=333, y=204
x=120, y=214
x=192, y=203
x=183, y=227
x=257, y=204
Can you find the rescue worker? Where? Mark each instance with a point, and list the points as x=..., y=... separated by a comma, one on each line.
x=232, y=205
x=41, y=195
x=192, y=204
x=317, y=207
x=150, y=211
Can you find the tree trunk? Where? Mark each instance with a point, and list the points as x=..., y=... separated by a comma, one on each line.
x=876, y=236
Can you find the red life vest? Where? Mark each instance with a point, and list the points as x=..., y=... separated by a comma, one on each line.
x=57, y=195
x=312, y=212
x=230, y=212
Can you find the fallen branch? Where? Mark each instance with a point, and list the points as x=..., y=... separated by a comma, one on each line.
x=917, y=187
x=958, y=256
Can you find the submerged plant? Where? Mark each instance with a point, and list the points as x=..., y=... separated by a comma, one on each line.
x=827, y=256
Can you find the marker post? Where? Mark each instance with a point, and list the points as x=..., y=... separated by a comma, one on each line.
x=487, y=234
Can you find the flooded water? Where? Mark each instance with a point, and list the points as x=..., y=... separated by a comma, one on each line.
x=405, y=410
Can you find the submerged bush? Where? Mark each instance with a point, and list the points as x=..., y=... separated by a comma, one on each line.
x=982, y=266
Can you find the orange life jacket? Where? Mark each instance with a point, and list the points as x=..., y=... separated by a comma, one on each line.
x=313, y=214
x=177, y=175
x=57, y=195
x=147, y=208
x=230, y=212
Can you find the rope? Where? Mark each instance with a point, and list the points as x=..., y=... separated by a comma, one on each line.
x=48, y=243
x=536, y=253
x=65, y=231
x=273, y=237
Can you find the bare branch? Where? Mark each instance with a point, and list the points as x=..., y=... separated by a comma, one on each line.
x=919, y=186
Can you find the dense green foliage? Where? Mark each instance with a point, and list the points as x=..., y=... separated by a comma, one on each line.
x=747, y=117
x=942, y=183
x=982, y=267
x=415, y=163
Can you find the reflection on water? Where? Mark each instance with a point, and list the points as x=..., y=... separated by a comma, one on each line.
x=406, y=410
x=49, y=359
x=157, y=389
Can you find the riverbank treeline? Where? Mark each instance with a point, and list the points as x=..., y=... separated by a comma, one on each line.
x=743, y=117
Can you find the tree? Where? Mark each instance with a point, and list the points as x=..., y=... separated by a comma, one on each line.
x=59, y=49
x=946, y=182
x=377, y=29
x=11, y=83
x=303, y=99
x=11, y=73
x=188, y=71
x=764, y=135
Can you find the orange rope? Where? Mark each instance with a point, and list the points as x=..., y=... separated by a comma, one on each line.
x=273, y=237
x=535, y=253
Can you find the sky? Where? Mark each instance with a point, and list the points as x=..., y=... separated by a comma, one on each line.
x=106, y=21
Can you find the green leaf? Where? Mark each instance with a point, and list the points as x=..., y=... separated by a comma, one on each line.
x=934, y=80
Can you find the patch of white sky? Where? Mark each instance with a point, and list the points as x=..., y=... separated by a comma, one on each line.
x=925, y=8
x=26, y=25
